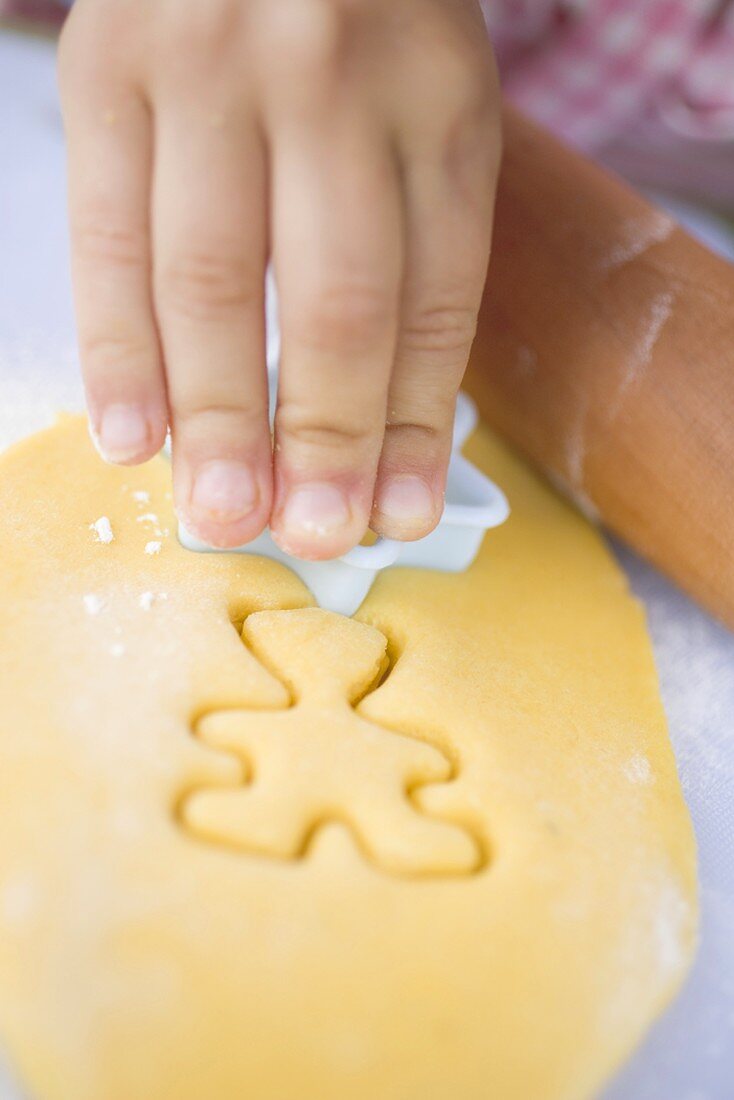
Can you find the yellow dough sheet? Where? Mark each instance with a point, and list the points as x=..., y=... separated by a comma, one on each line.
x=250, y=848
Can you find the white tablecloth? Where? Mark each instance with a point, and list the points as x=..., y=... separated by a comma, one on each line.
x=690, y=1053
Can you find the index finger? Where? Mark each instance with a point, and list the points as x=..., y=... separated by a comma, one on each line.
x=109, y=166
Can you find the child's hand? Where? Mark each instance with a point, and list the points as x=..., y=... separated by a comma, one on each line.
x=355, y=140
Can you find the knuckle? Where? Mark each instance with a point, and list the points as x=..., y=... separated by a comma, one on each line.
x=310, y=430
x=204, y=286
x=111, y=354
x=201, y=29
x=342, y=319
x=450, y=57
x=100, y=240
x=478, y=85
x=240, y=415
x=458, y=84
x=93, y=38
x=473, y=131
x=443, y=328
x=305, y=38
x=413, y=435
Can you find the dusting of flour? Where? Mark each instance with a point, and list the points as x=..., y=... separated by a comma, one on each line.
x=639, y=770
x=102, y=530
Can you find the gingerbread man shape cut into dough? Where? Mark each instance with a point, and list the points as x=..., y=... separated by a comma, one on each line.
x=319, y=761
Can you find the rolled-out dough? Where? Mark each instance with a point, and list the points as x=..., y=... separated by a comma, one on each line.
x=437, y=854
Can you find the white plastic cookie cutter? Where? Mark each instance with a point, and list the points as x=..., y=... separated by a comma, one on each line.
x=474, y=504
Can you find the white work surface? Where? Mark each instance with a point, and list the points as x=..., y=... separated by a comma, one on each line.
x=690, y=1053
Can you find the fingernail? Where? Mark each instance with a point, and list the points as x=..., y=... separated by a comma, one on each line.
x=406, y=501
x=123, y=433
x=316, y=510
x=224, y=489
